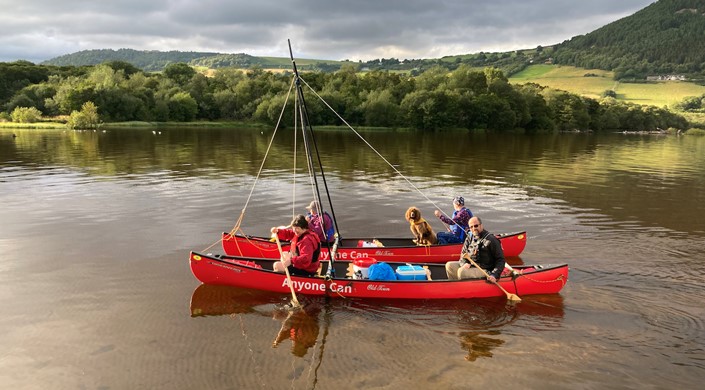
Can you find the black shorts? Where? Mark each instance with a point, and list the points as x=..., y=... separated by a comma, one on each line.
x=299, y=272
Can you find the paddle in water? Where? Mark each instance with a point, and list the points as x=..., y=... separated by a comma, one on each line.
x=294, y=302
x=510, y=296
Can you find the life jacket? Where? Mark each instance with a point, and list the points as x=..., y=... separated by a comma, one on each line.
x=328, y=226
x=316, y=252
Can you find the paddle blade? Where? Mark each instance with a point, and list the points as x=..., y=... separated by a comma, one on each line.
x=513, y=297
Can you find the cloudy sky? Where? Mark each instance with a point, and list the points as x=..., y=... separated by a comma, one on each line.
x=38, y=30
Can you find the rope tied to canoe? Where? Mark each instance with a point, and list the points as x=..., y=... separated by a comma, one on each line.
x=561, y=278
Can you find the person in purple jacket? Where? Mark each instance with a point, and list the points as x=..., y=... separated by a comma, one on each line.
x=321, y=224
x=458, y=224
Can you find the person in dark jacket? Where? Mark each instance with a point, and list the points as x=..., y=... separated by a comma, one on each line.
x=302, y=258
x=483, y=248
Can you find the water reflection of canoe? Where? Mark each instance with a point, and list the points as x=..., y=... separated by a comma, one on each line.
x=255, y=273
x=215, y=300
x=394, y=249
x=478, y=323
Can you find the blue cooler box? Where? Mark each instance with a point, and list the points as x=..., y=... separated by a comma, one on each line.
x=411, y=272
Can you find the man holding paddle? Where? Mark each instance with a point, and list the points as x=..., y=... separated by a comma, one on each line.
x=481, y=249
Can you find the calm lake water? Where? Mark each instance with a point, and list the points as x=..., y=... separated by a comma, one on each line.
x=95, y=231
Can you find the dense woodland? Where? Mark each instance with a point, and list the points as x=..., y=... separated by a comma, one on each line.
x=436, y=99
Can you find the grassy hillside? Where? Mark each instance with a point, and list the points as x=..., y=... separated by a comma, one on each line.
x=572, y=79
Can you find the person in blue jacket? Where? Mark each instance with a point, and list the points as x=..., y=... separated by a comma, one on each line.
x=458, y=224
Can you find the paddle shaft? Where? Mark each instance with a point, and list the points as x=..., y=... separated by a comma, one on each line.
x=511, y=297
x=286, y=269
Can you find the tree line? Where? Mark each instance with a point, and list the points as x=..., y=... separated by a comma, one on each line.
x=435, y=99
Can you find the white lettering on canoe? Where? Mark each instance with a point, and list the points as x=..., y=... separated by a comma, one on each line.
x=316, y=286
x=377, y=287
x=384, y=253
x=348, y=255
x=359, y=255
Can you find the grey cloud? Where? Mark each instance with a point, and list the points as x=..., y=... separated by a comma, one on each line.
x=325, y=29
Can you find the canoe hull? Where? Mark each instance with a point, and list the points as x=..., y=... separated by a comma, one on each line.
x=230, y=270
x=394, y=249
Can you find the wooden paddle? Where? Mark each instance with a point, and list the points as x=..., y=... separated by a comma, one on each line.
x=294, y=301
x=510, y=296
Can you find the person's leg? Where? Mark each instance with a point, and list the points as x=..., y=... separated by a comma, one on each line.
x=278, y=266
x=452, y=269
x=453, y=239
x=299, y=272
x=443, y=237
x=471, y=273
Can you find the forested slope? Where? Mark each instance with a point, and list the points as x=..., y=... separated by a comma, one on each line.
x=667, y=37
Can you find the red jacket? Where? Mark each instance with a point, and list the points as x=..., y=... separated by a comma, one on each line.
x=304, y=249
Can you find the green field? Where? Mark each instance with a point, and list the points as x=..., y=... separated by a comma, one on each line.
x=571, y=79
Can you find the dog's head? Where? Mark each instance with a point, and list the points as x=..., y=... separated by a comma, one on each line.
x=412, y=214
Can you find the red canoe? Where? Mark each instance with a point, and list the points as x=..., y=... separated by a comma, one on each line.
x=393, y=249
x=257, y=274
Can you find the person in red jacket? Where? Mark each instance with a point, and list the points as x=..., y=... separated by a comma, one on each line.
x=302, y=258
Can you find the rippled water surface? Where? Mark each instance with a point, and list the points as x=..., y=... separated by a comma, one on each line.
x=95, y=230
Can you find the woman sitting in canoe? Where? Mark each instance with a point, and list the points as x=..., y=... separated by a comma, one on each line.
x=320, y=223
x=302, y=259
x=458, y=224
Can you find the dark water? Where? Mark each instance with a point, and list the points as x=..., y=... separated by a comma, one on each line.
x=95, y=230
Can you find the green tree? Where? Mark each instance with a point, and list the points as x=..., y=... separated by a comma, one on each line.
x=25, y=115
x=430, y=110
x=490, y=112
x=85, y=119
x=539, y=112
x=691, y=103
x=569, y=111
x=71, y=93
x=182, y=107
x=270, y=111
x=180, y=72
x=432, y=79
x=379, y=109
x=127, y=68
x=466, y=80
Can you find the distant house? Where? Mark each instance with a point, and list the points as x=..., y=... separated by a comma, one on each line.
x=666, y=77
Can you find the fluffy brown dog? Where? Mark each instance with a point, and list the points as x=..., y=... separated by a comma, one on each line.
x=422, y=231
